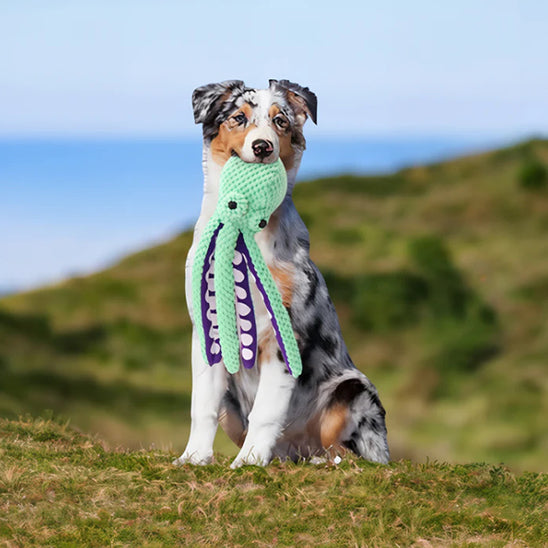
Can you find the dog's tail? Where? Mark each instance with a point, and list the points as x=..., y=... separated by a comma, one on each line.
x=364, y=431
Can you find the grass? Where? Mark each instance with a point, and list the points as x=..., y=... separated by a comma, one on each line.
x=59, y=487
x=439, y=274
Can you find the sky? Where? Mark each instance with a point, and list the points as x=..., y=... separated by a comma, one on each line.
x=114, y=69
x=128, y=67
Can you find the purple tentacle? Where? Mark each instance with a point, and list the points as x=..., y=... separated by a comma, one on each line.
x=209, y=308
x=242, y=248
x=245, y=315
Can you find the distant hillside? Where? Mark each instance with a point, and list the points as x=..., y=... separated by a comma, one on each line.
x=440, y=277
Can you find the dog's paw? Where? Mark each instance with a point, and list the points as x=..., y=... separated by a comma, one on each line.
x=194, y=457
x=251, y=457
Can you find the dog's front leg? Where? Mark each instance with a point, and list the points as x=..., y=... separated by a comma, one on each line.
x=208, y=387
x=267, y=415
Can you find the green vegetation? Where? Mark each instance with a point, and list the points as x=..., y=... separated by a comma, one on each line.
x=533, y=175
x=439, y=275
x=61, y=488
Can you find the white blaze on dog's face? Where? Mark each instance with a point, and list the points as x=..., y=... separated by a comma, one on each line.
x=259, y=126
x=262, y=130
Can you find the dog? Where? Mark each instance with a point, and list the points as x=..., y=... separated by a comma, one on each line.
x=332, y=407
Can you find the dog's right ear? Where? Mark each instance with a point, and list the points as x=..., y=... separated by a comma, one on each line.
x=207, y=100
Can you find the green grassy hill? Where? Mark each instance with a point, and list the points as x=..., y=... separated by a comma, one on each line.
x=61, y=488
x=440, y=277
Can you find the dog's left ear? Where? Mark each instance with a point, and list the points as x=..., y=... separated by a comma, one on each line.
x=300, y=98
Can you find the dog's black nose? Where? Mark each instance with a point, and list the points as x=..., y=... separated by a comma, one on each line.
x=262, y=148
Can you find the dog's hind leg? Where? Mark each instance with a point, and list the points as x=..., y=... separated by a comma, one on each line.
x=231, y=420
x=354, y=419
x=208, y=387
x=267, y=415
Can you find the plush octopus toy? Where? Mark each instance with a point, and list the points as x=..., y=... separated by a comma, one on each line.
x=226, y=254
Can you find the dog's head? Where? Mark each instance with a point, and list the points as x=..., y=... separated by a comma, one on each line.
x=258, y=125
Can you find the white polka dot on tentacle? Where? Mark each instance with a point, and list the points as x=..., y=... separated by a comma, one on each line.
x=245, y=324
x=243, y=309
x=247, y=339
x=247, y=354
x=241, y=293
x=215, y=348
x=237, y=258
x=238, y=276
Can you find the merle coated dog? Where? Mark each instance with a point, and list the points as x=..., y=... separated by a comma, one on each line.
x=332, y=407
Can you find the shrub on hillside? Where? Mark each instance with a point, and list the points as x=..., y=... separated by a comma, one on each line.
x=533, y=175
x=448, y=294
x=462, y=346
x=386, y=300
x=463, y=328
x=37, y=326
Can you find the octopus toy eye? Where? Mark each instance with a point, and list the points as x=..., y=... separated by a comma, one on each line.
x=262, y=224
x=232, y=204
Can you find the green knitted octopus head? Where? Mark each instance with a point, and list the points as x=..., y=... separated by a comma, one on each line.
x=249, y=193
x=221, y=294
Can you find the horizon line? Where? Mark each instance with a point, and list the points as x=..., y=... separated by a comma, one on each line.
x=187, y=136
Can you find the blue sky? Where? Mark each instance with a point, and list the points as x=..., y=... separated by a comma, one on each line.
x=127, y=68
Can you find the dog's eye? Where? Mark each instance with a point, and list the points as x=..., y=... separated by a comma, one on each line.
x=240, y=119
x=232, y=205
x=282, y=123
x=262, y=224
